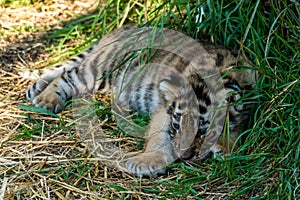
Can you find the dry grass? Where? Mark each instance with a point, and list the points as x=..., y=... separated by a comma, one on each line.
x=45, y=163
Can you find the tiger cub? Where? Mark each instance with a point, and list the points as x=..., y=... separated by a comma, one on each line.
x=188, y=88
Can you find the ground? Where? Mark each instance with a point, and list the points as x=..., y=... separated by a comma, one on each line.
x=41, y=157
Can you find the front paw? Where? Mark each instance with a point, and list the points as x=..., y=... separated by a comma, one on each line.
x=36, y=89
x=147, y=164
x=51, y=101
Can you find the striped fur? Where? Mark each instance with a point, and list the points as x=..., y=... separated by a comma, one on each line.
x=172, y=79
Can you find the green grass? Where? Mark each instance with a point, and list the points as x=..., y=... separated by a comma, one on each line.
x=266, y=165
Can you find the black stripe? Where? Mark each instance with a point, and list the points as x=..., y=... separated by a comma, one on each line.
x=149, y=97
x=71, y=80
x=175, y=125
x=90, y=49
x=170, y=59
x=201, y=92
x=65, y=93
x=58, y=93
x=66, y=81
x=81, y=77
x=102, y=85
x=201, y=132
x=95, y=62
x=81, y=55
x=93, y=67
x=110, y=77
x=219, y=60
x=138, y=101
x=34, y=86
x=202, y=109
x=29, y=94
x=74, y=60
x=171, y=108
x=177, y=116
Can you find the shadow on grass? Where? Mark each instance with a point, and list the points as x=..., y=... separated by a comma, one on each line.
x=35, y=47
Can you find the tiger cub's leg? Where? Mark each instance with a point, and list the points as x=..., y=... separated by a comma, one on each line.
x=172, y=129
x=64, y=87
x=215, y=140
x=48, y=75
x=158, y=151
